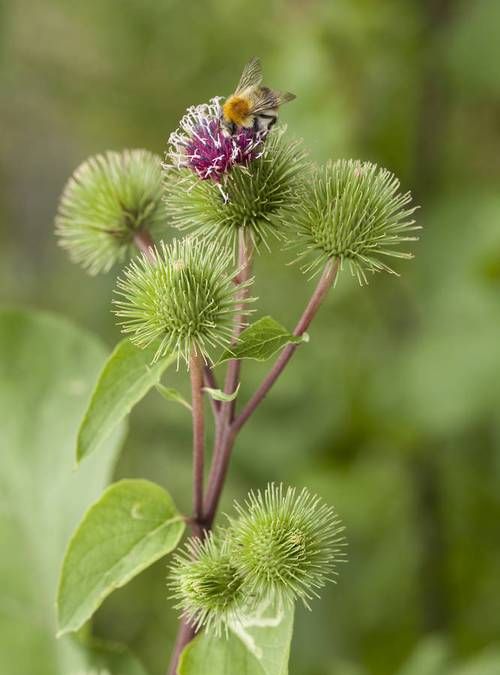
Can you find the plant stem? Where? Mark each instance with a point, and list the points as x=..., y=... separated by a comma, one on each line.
x=234, y=367
x=196, y=375
x=145, y=243
x=229, y=432
x=218, y=474
x=185, y=634
x=227, y=409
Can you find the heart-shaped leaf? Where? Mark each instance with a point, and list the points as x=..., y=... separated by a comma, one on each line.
x=261, y=340
x=133, y=524
x=125, y=379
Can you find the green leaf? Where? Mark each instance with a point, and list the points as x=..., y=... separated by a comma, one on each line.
x=171, y=394
x=125, y=379
x=47, y=370
x=261, y=340
x=219, y=395
x=259, y=645
x=133, y=524
x=210, y=655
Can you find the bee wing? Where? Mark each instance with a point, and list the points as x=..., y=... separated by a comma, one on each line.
x=251, y=75
x=266, y=99
x=284, y=97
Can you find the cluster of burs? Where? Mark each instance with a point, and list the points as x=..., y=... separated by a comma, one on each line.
x=179, y=295
x=281, y=546
x=216, y=186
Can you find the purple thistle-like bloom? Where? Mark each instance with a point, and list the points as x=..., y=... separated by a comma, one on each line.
x=201, y=143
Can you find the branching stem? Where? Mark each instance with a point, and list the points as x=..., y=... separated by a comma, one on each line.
x=228, y=424
x=228, y=434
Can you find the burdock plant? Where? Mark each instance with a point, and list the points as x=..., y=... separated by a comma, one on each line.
x=185, y=299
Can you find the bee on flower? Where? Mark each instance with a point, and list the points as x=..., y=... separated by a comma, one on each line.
x=225, y=171
x=214, y=137
x=253, y=106
x=202, y=144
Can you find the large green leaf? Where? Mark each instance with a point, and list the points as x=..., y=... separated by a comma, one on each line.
x=125, y=379
x=47, y=369
x=132, y=525
x=260, y=645
x=261, y=340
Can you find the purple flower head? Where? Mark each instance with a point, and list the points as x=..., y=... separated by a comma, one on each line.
x=201, y=144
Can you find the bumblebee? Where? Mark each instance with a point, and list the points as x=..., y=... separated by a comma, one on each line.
x=252, y=106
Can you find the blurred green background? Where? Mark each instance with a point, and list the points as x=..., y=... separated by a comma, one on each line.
x=391, y=411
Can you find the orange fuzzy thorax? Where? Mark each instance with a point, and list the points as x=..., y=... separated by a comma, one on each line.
x=236, y=109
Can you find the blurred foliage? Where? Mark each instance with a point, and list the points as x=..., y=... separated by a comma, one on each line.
x=390, y=412
x=41, y=496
